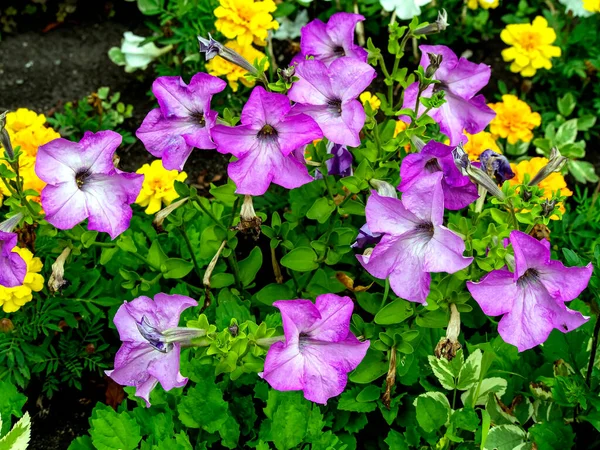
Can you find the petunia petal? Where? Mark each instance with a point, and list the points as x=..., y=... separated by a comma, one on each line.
x=495, y=293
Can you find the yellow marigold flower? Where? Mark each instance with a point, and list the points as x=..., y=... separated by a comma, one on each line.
x=367, y=97
x=31, y=138
x=400, y=127
x=11, y=299
x=479, y=143
x=159, y=186
x=219, y=67
x=592, y=5
x=24, y=118
x=485, y=4
x=530, y=46
x=247, y=21
x=514, y=119
x=554, y=182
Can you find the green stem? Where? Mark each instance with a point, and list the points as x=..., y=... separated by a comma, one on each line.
x=236, y=203
x=210, y=214
x=386, y=292
x=99, y=244
x=327, y=185
x=235, y=268
x=191, y=250
x=588, y=376
x=377, y=140
x=145, y=261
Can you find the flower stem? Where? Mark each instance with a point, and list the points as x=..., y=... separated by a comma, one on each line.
x=588, y=376
x=191, y=250
x=210, y=214
x=386, y=292
x=235, y=268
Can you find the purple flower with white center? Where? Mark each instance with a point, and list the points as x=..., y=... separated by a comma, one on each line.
x=263, y=144
x=331, y=41
x=12, y=267
x=319, y=348
x=329, y=95
x=83, y=183
x=460, y=80
x=532, y=299
x=496, y=166
x=340, y=164
x=183, y=119
x=459, y=190
x=414, y=241
x=146, y=357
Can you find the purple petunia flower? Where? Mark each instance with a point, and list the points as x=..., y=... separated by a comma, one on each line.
x=319, y=348
x=83, y=183
x=340, y=164
x=12, y=267
x=329, y=95
x=460, y=80
x=146, y=358
x=263, y=144
x=330, y=41
x=183, y=120
x=459, y=191
x=414, y=241
x=532, y=300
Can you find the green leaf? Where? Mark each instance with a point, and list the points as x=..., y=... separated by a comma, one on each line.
x=156, y=255
x=18, y=437
x=552, y=435
x=505, y=437
x=151, y=7
x=11, y=404
x=82, y=443
x=583, y=171
x=273, y=292
x=230, y=433
x=301, y=259
x=466, y=419
x=566, y=133
x=321, y=210
x=111, y=430
x=250, y=266
x=348, y=402
x=443, y=372
x=116, y=56
x=203, y=406
x=493, y=385
x=396, y=441
x=88, y=238
x=289, y=413
x=175, y=268
x=470, y=371
x=433, y=410
x=371, y=367
x=125, y=242
x=566, y=104
x=396, y=312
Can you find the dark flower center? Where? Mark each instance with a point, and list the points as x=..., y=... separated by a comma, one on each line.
x=81, y=177
x=529, y=276
x=267, y=132
x=303, y=339
x=425, y=228
x=339, y=51
x=432, y=166
x=198, y=117
x=335, y=106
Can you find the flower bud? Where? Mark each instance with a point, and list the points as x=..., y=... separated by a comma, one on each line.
x=6, y=325
x=496, y=166
x=548, y=207
x=438, y=26
x=555, y=164
x=477, y=175
x=417, y=142
x=384, y=188
x=56, y=280
x=4, y=138
x=90, y=349
x=160, y=216
x=234, y=329
x=211, y=265
x=249, y=222
x=287, y=74
x=434, y=64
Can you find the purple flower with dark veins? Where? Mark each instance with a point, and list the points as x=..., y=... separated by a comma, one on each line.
x=330, y=41
x=328, y=95
x=83, y=183
x=414, y=241
x=459, y=190
x=148, y=355
x=183, y=119
x=263, y=144
x=340, y=164
x=460, y=80
x=319, y=348
x=532, y=299
x=12, y=267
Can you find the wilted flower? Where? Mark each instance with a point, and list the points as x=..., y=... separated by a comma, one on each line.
x=147, y=355
x=459, y=191
x=263, y=144
x=532, y=299
x=132, y=55
x=4, y=137
x=12, y=267
x=449, y=345
x=383, y=188
x=496, y=166
x=331, y=41
x=514, y=119
x=319, y=348
x=404, y=9
x=12, y=298
x=158, y=188
x=83, y=183
x=10, y=224
x=183, y=119
x=165, y=212
x=328, y=95
x=531, y=47
x=414, y=241
x=476, y=174
x=555, y=164
x=57, y=278
x=248, y=21
x=460, y=80
x=438, y=26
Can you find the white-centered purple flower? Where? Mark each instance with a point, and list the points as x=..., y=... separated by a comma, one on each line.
x=532, y=299
x=319, y=348
x=332, y=40
x=328, y=95
x=183, y=119
x=146, y=357
x=459, y=191
x=263, y=144
x=414, y=241
x=83, y=183
x=460, y=80
x=12, y=267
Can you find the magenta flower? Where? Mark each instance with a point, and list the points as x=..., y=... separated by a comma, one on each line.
x=319, y=348
x=460, y=80
x=12, y=267
x=459, y=191
x=532, y=300
x=414, y=241
x=183, y=119
x=329, y=95
x=330, y=41
x=83, y=183
x=146, y=357
x=263, y=144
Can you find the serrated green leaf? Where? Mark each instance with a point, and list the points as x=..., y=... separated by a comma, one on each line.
x=505, y=437
x=111, y=430
x=433, y=410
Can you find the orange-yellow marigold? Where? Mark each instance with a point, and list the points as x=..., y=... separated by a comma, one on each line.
x=514, y=119
x=479, y=143
x=247, y=21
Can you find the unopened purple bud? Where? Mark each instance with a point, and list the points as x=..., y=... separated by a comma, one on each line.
x=435, y=61
x=209, y=47
x=496, y=166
